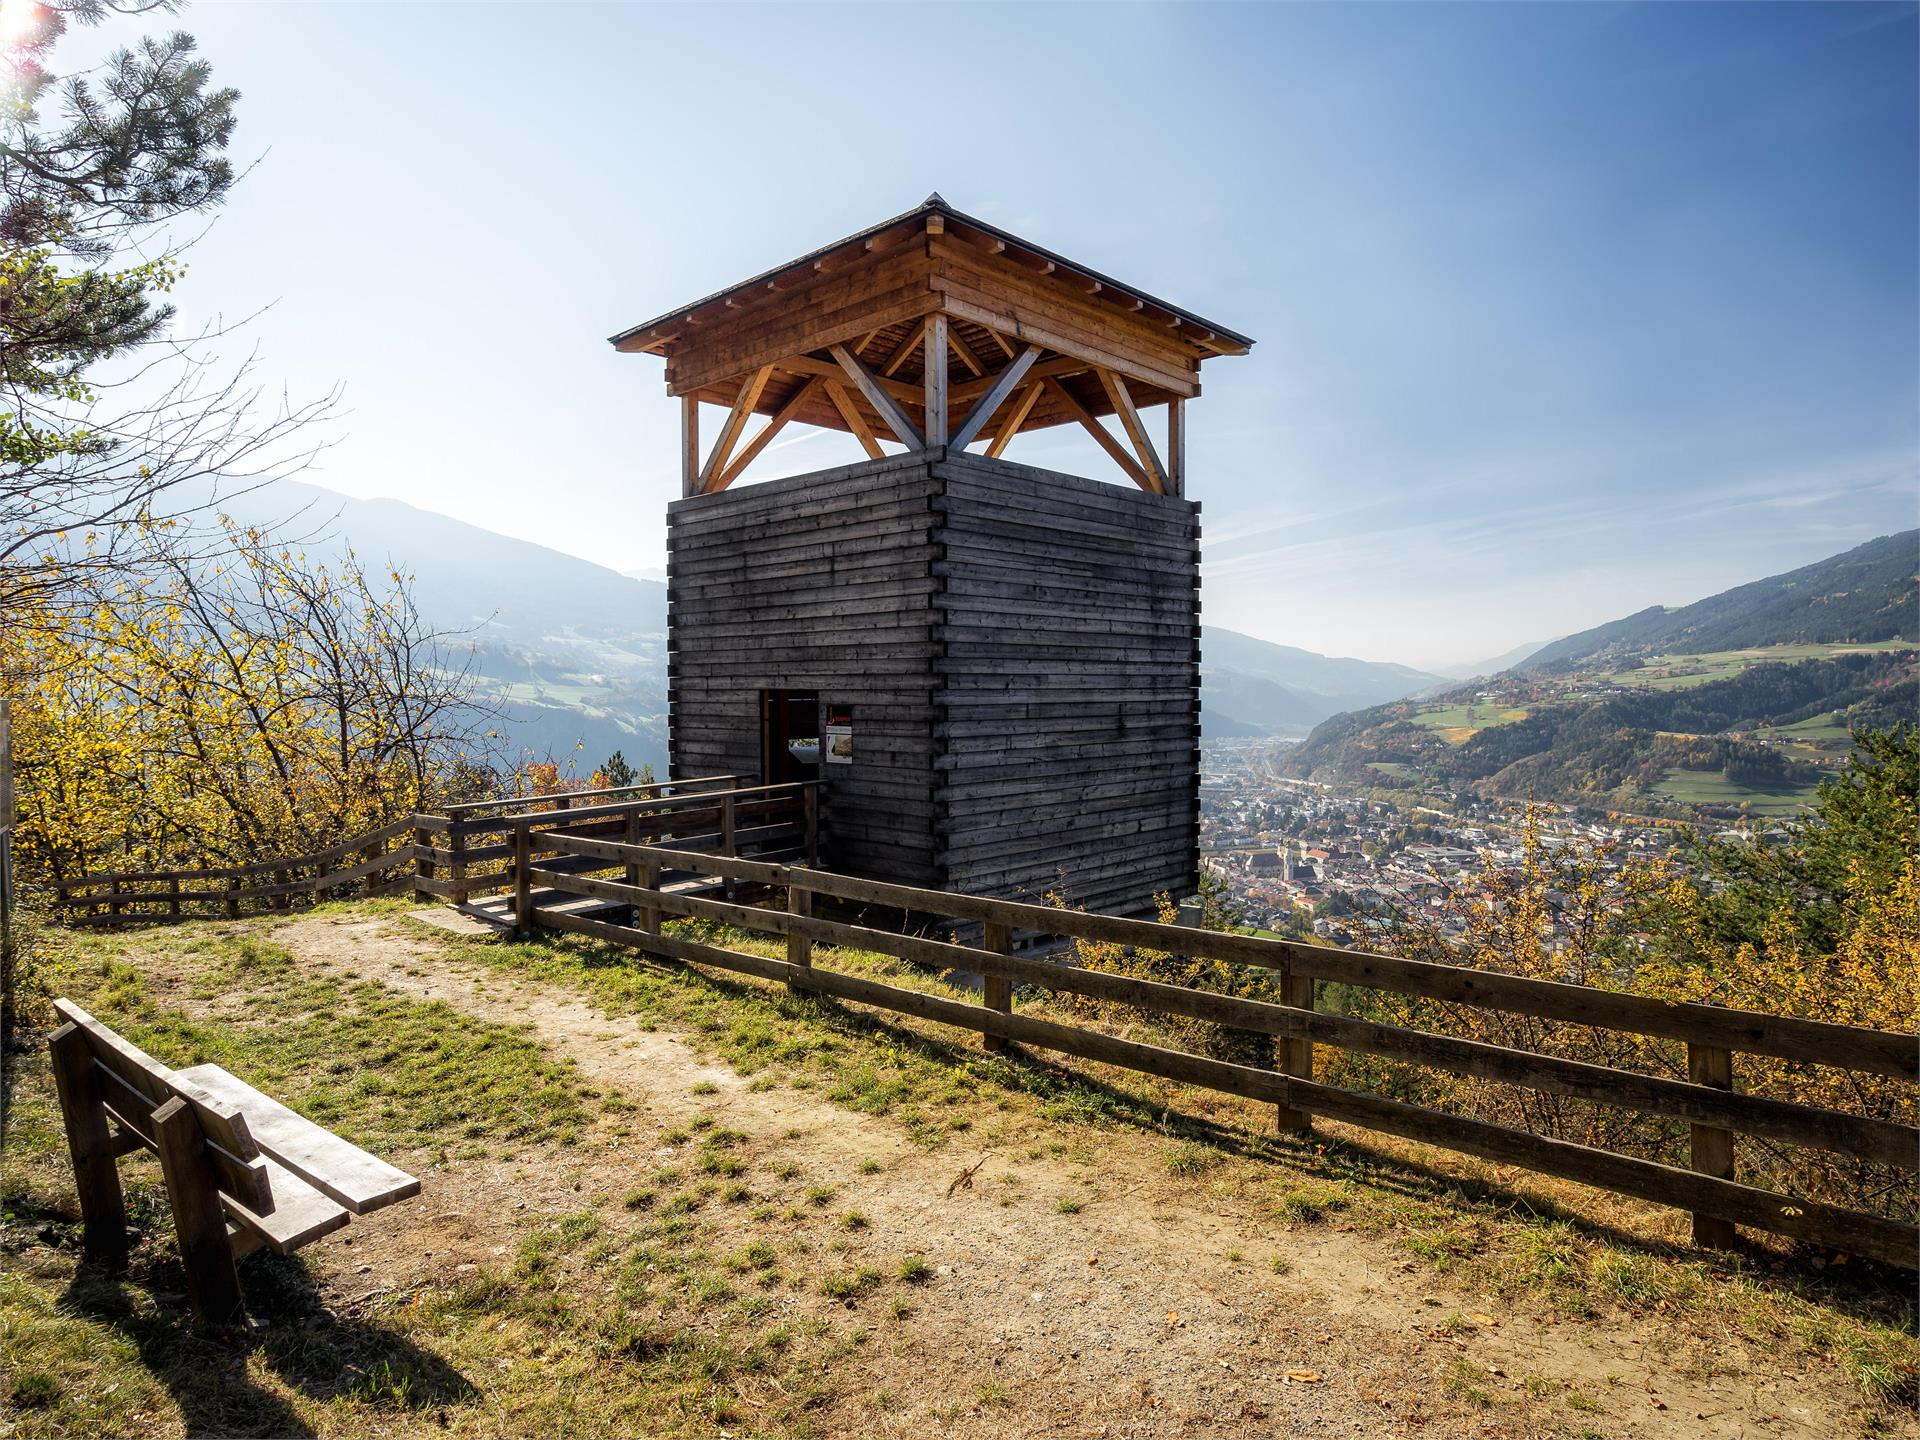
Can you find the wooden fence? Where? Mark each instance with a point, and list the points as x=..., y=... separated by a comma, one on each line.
x=489, y=854
x=1706, y=1101
x=464, y=853
x=379, y=862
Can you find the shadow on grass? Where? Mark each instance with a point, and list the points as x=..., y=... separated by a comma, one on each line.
x=323, y=1355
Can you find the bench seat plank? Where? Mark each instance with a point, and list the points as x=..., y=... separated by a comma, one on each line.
x=300, y=1213
x=343, y=1171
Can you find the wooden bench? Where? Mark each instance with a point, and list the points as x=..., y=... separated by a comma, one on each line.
x=242, y=1170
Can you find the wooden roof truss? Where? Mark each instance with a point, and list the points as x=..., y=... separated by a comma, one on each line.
x=932, y=331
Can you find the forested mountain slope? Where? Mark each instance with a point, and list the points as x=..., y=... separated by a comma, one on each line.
x=1866, y=594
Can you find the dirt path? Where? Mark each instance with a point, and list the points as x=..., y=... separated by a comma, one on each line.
x=1129, y=1317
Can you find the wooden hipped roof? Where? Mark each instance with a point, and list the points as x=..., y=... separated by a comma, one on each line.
x=840, y=338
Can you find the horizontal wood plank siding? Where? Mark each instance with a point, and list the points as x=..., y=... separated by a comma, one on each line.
x=1067, y=702
x=816, y=582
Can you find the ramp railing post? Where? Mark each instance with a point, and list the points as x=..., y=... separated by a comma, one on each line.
x=522, y=878
x=727, y=846
x=810, y=820
x=632, y=873
x=649, y=872
x=457, y=865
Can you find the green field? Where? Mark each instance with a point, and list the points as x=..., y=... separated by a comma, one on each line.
x=1392, y=768
x=1682, y=672
x=1457, y=723
x=1710, y=787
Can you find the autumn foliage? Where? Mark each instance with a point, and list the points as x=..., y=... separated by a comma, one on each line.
x=198, y=711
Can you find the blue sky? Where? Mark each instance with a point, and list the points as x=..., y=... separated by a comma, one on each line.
x=1562, y=310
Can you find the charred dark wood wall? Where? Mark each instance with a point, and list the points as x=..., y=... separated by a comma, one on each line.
x=1019, y=647
x=817, y=582
x=1068, y=712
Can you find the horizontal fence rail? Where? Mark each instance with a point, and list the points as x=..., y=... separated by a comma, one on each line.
x=380, y=862
x=486, y=855
x=1705, y=1101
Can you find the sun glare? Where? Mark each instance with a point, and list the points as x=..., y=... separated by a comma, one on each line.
x=18, y=20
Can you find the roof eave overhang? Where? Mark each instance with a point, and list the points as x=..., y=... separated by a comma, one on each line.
x=645, y=337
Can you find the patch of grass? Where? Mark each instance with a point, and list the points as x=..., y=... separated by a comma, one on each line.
x=847, y=1285
x=914, y=1270
x=853, y=1220
x=1308, y=1204
x=1190, y=1158
x=1067, y=1205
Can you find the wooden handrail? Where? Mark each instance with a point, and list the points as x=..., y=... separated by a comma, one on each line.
x=464, y=806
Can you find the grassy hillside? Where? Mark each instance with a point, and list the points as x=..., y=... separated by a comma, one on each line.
x=1753, y=730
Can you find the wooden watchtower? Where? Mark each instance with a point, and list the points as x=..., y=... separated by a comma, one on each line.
x=993, y=667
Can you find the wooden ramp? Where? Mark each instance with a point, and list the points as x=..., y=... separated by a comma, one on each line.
x=493, y=914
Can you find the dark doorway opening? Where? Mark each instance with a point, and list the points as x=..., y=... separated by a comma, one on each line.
x=789, y=736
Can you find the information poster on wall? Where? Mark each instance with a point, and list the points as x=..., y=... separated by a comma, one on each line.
x=837, y=743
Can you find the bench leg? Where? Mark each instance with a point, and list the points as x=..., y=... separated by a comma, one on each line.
x=103, y=1208
x=201, y=1225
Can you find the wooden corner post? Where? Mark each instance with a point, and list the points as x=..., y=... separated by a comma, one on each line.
x=1712, y=1148
x=422, y=861
x=522, y=879
x=103, y=1207
x=193, y=1191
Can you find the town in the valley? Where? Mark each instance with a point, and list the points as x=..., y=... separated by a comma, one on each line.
x=1305, y=858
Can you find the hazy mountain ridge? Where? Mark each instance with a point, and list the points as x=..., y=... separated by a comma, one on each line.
x=1250, y=686
x=1866, y=594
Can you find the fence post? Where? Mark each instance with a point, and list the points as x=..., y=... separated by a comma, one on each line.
x=233, y=897
x=173, y=897
x=1712, y=1148
x=996, y=991
x=457, y=867
x=370, y=882
x=1294, y=1053
x=422, y=861
x=799, y=947
x=649, y=873
x=522, y=879
x=810, y=809
x=727, y=846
